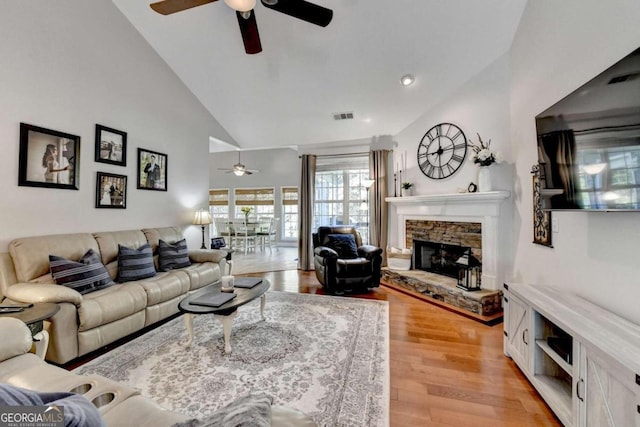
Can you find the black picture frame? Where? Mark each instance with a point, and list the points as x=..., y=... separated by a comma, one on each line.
x=48, y=158
x=111, y=146
x=111, y=191
x=148, y=180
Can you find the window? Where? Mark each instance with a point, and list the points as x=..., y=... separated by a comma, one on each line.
x=340, y=197
x=260, y=200
x=289, y=212
x=218, y=205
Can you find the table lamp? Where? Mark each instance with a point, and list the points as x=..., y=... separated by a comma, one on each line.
x=202, y=218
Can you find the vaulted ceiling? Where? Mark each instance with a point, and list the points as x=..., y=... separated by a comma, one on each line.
x=288, y=93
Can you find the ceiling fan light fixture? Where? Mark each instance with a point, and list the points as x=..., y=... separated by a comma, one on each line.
x=406, y=80
x=241, y=5
x=270, y=2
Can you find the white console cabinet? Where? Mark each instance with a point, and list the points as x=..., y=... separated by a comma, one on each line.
x=583, y=360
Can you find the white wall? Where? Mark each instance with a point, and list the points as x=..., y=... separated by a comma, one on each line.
x=480, y=106
x=558, y=47
x=69, y=64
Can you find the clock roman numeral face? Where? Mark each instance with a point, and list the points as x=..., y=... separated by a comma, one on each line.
x=442, y=151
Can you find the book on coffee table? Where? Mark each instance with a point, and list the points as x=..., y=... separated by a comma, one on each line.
x=213, y=300
x=246, y=282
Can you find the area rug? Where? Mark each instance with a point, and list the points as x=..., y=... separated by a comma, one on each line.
x=325, y=356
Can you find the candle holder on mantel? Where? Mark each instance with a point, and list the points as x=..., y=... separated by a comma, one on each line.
x=469, y=272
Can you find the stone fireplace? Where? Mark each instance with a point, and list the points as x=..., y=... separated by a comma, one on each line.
x=480, y=222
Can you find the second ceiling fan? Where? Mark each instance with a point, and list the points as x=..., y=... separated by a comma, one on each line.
x=245, y=13
x=239, y=169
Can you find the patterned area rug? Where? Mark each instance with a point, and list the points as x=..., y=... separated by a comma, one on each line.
x=325, y=356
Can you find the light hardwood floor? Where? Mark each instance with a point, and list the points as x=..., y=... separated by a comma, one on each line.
x=446, y=370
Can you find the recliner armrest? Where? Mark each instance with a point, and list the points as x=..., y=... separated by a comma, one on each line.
x=207, y=255
x=15, y=337
x=42, y=292
x=325, y=252
x=369, y=251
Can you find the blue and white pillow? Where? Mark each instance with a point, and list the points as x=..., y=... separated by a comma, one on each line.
x=85, y=275
x=135, y=264
x=173, y=256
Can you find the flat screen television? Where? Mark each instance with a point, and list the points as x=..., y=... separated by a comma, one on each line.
x=589, y=143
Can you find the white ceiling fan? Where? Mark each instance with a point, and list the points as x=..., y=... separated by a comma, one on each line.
x=239, y=169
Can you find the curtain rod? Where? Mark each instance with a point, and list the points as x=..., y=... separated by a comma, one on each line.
x=340, y=155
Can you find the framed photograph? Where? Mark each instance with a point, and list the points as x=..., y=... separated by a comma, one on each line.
x=111, y=146
x=48, y=158
x=152, y=170
x=111, y=191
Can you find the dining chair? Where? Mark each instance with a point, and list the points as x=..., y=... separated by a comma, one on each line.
x=267, y=233
x=224, y=229
x=244, y=235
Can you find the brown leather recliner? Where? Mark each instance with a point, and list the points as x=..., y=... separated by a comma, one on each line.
x=343, y=263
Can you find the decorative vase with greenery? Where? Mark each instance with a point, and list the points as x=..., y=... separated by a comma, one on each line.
x=406, y=188
x=484, y=157
x=246, y=210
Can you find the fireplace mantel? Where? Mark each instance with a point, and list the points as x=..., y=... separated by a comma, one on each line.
x=484, y=203
x=487, y=208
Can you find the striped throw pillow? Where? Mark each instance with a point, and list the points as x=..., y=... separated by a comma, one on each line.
x=135, y=264
x=173, y=256
x=86, y=275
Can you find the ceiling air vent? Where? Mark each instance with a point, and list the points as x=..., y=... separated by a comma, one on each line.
x=624, y=78
x=343, y=116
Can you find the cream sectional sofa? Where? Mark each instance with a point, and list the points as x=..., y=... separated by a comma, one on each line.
x=119, y=405
x=90, y=321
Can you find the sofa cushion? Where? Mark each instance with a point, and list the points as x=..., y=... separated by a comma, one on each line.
x=30, y=255
x=173, y=256
x=111, y=304
x=135, y=264
x=86, y=275
x=165, y=286
x=108, y=242
x=343, y=244
x=202, y=274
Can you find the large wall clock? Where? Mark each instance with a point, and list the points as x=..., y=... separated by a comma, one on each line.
x=442, y=150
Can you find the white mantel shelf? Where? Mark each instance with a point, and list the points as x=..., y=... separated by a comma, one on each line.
x=486, y=208
x=477, y=204
x=482, y=197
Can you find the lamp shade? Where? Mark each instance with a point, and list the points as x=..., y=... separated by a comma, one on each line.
x=241, y=5
x=202, y=218
x=368, y=182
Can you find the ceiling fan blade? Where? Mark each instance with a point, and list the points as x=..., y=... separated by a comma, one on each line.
x=303, y=10
x=167, y=7
x=250, y=36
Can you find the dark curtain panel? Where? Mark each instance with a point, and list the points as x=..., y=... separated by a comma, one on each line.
x=305, y=227
x=378, y=212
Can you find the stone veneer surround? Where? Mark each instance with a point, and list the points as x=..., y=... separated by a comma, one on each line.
x=485, y=208
x=450, y=232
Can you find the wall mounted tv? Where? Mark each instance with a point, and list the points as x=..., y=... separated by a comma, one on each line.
x=589, y=143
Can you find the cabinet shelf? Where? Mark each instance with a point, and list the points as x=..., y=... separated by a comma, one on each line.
x=557, y=392
x=542, y=344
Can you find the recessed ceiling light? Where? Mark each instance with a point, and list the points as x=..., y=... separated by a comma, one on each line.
x=407, y=79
